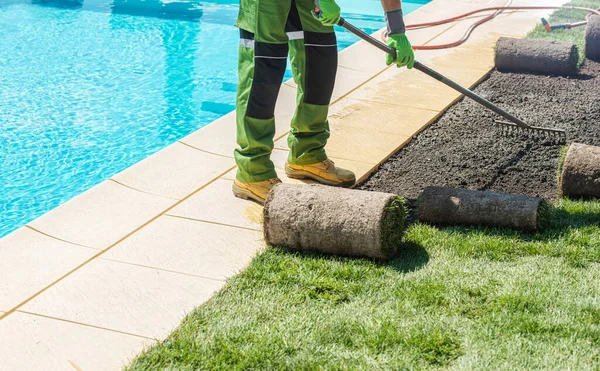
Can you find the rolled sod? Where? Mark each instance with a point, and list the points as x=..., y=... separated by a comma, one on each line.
x=336, y=221
x=580, y=175
x=592, y=39
x=536, y=56
x=451, y=206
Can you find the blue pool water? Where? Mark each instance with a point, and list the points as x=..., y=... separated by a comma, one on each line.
x=90, y=87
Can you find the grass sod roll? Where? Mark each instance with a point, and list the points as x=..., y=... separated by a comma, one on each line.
x=592, y=39
x=581, y=172
x=452, y=206
x=335, y=221
x=536, y=56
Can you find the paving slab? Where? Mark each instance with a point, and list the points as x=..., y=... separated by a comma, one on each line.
x=101, y=216
x=175, y=172
x=382, y=117
x=358, y=144
x=205, y=137
x=123, y=297
x=404, y=89
x=191, y=247
x=216, y=204
x=348, y=80
x=32, y=343
x=369, y=62
x=363, y=144
x=31, y=261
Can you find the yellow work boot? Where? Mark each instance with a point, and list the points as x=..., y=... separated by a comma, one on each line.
x=256, y=191
x=323, y=172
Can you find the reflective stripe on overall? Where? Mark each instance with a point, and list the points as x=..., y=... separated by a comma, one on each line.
x=269, y=30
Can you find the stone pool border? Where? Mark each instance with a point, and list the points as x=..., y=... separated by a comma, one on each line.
x=94, y=281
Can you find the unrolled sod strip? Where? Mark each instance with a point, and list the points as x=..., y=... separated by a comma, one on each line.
x=580, y=176
x=317, y=218
x=451, y=206
x=592, y=39
x=536, y=56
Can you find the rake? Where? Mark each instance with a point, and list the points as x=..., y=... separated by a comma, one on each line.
x=513, y=126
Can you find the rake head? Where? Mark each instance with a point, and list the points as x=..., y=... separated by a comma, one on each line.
x=554, y=136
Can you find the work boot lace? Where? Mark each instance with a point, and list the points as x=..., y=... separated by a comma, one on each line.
x=274, y=181
x=329, y=165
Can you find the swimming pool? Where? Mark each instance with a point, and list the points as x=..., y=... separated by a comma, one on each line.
x=90, y=87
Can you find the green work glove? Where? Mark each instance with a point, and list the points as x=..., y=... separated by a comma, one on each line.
x=404, y=53
x=330, y=12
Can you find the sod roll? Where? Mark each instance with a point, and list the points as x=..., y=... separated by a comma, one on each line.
x=592, y=39
x=451, y=206
x=580, y=175
x=536, y=56
x=337, y=221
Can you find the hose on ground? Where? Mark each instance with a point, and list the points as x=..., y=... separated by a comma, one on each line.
x=497, y=11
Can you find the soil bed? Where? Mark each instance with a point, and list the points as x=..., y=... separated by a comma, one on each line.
x=464, y=149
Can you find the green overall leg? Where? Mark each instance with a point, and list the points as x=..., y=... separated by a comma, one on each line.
x=313, y=54
x=262, y=62
x=266, y=26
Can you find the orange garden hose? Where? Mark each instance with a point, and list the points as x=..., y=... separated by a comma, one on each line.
x=497, y=10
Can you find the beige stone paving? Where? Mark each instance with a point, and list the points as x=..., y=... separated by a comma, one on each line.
x=372, y=146
x=205, y=137
x=34, y=261
x=175, y=172
x=93, y=281
x=360, y=114
x=183, y=245
x=101, y=216
x=215, y=204
x=134, y=299
x=35, y=343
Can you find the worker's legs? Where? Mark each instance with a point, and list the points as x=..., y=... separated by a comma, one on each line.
x=313, y=53
x=262, y=61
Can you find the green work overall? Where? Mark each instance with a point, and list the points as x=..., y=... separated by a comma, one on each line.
x=269, y=29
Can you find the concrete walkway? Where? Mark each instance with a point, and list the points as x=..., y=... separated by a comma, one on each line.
x=90, y=284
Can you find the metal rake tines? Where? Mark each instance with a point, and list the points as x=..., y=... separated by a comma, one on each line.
x=556, y=136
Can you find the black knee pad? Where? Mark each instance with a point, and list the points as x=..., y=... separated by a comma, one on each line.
x=321, y=67
x=270, y=61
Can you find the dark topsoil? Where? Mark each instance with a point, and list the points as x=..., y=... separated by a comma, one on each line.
x=464, y=149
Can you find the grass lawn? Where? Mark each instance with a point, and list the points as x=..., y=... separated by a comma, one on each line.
x=576, y=35
x=457, y=298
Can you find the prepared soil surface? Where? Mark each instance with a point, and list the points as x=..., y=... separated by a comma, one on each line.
x=465, y=149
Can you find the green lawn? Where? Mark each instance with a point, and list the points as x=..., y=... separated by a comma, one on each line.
x=457, y=298
x=576, y=35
